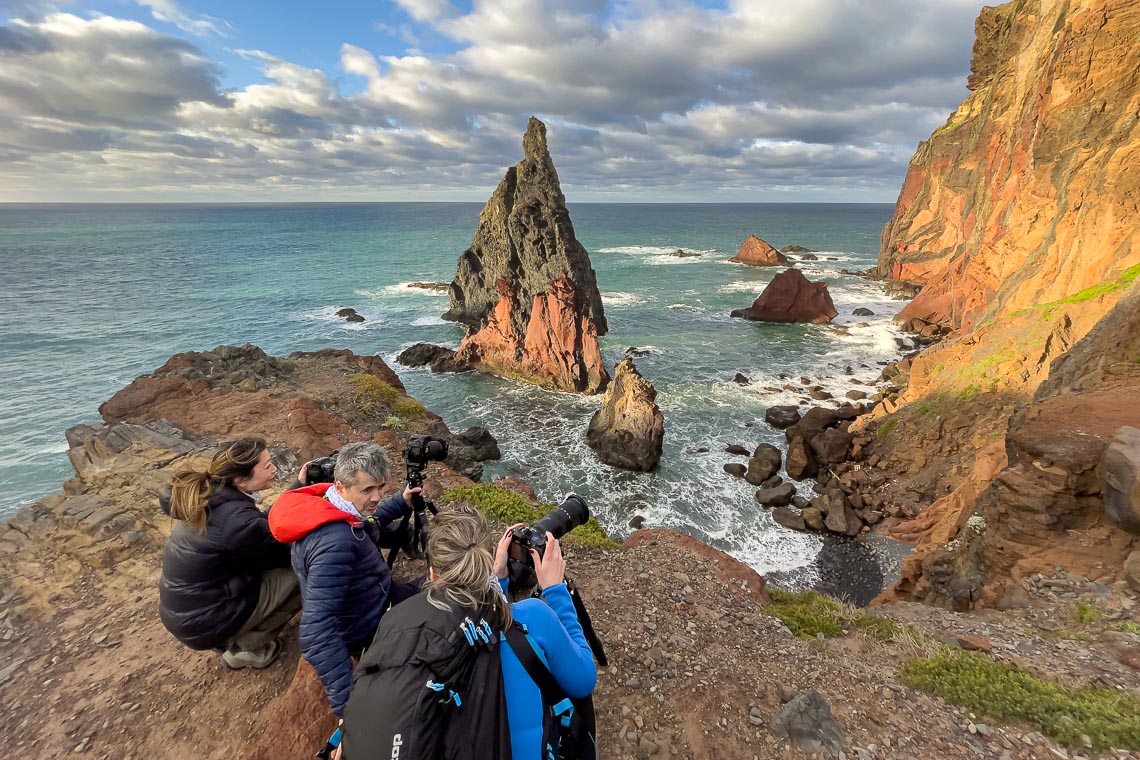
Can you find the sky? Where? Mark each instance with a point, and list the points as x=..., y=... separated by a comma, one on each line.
x=720, y=101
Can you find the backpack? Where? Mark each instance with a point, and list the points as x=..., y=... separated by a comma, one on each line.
x=568, y=726
x=429, y=687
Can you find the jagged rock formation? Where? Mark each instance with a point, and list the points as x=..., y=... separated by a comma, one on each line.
x=758, y=253
x=1029, y=192
x=525, y=287
x=790, y=297
x=628, y=429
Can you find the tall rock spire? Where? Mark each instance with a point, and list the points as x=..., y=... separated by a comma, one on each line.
x=525, y=287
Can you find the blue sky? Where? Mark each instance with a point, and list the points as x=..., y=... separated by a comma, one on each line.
x=644, y=100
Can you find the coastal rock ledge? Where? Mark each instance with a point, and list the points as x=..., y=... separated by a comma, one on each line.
x=525, y=287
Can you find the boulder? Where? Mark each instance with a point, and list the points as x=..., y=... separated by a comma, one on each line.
x=780, y=496
x=781, y=417
x=800, y=463
x=1132, y=570
x=628, y=428
x=525, y=287
x=790, y=297
x=765, y=463
x=807, y=722
x=741, y=379
x=856, y=395
x=683, y=254
x=788, y=518
x=813, y=518
x=442, y=286
x=736, y=449
x=796, y=249
x=735, y=469
x=842, y=519
x=831, y=446
x=1121, y=487
x=863, y=312
x=815, y=421
x=755, y=252
x=481, y=440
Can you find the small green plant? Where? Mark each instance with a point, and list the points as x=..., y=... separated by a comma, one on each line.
x=394, y=423
x=886, y=427
x=508, y=507
x=1085, y=613
x=1126, y=626
x=373, y=391
x=806, y=613
x=972, y=680
x=1061, y=633
x=881, y=629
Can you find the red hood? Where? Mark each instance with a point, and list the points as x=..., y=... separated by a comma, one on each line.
x=299, y=512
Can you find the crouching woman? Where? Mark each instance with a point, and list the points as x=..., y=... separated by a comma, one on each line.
x=226, y=582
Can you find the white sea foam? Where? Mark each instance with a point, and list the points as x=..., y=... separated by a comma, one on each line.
x=401, y=290
x=429, y=320
x=623, y=299
x=744, y=286
x=326, y=316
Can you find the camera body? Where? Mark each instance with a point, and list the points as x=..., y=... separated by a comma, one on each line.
x=321, y=470
x=422, y=449
x=572, y=512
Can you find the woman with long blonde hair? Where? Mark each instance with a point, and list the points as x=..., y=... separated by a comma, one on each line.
x=226, y=582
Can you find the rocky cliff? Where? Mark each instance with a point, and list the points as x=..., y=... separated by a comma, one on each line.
x=1029, y=192
x=525, y=287
x=628, y=428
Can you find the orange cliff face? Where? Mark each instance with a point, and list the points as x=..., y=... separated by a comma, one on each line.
x=1031, y=190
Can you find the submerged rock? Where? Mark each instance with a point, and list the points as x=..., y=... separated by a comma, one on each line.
x=756, y=252
x=628, y=429
x=525, y=287
x=790, y=297
x=440, y=359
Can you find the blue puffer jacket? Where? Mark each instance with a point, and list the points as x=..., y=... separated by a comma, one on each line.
x=344, y=580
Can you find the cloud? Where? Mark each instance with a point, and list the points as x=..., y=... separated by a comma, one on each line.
x=642, y=99
x=170, y=12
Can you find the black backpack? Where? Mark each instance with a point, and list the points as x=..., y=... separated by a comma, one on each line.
x=429, y=687
x=568, y=727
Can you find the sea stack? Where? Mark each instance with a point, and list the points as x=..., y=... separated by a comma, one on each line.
x=628, y=429
x=791, y=297
x=525, y=287
x=758, y=253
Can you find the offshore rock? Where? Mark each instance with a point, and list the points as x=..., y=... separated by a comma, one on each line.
x=790, y=297
x=439, y=358
x=628, y=428
x=525, y=287
x=756, y=252
x=1029, y=192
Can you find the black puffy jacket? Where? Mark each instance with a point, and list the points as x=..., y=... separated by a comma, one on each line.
x=211, y=581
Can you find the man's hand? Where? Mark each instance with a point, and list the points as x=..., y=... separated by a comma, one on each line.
x=409, y=494
x=303, y=475
x=551, y=568
x=502, y=551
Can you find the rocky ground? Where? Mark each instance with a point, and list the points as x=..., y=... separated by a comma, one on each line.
x=699, y=667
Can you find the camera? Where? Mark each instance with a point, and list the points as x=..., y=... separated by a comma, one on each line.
x=564, y=518
x=321, y=470
x=422, y=449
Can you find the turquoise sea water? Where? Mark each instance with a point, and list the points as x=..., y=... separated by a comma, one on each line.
x=99, y=294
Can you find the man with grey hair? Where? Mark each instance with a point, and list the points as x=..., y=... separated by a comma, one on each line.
x=334, y=529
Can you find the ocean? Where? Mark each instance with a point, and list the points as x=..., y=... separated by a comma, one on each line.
x=99, y=294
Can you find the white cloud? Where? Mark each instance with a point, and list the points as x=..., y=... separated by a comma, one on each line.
x=826, y=97
x=172, y=13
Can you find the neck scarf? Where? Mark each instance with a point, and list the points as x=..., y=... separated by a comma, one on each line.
x=341, y=503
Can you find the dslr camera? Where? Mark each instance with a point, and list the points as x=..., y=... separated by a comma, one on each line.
x=564, y=518
x=321, y=470
x=422, y=449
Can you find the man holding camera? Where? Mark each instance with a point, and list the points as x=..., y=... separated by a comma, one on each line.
x=335, y=530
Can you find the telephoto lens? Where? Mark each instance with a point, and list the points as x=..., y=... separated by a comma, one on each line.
x=564, y=518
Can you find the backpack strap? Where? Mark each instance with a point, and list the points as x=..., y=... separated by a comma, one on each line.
x=552, y=693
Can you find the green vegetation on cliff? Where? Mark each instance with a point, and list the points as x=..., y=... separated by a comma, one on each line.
x=374, y=392
x=1106, y=717
x=508, y=507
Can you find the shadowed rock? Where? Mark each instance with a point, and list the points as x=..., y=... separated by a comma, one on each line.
x=790, y=297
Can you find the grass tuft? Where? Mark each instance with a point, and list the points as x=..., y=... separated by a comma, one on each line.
x=806, y=613
x=886, y=427
x=374, y=392
x=1126, y=626
x=508, y=507
x=1002, y=692
x=1085, y=613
